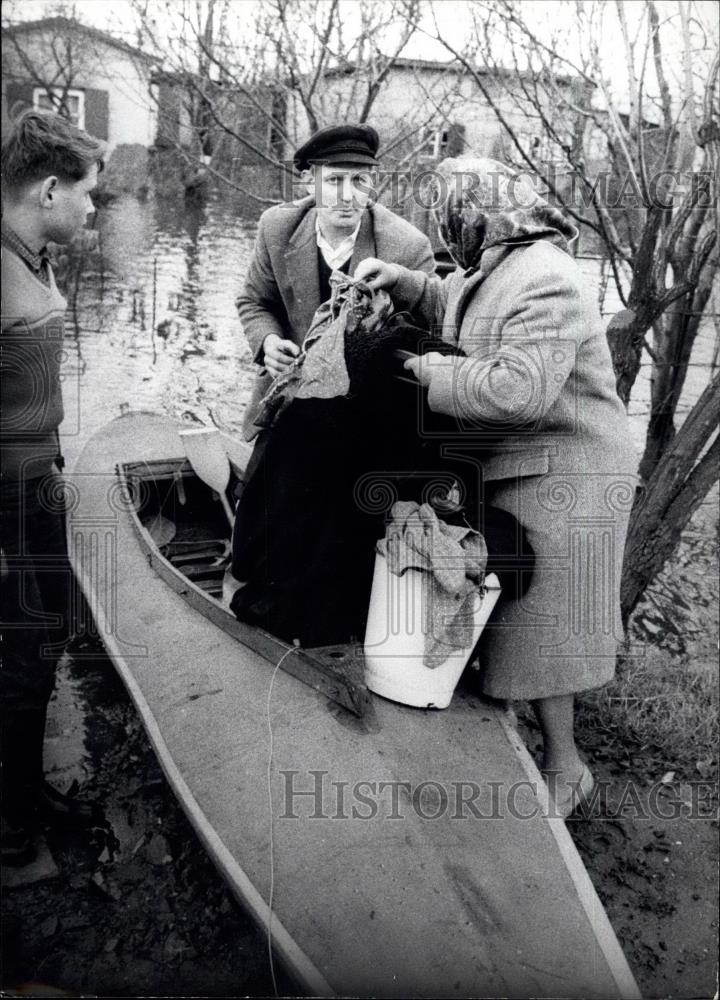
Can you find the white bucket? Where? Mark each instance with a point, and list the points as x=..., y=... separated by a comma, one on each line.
x=395, y=643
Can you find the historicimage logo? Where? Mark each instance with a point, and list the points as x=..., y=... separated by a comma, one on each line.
x=317, y=795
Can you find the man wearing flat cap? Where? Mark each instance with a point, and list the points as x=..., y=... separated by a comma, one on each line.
x=300, y=243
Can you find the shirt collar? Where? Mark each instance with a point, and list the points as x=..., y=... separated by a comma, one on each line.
x=336, y=256
x=11, y=240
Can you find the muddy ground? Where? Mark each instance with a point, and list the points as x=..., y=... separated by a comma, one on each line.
x=651, y=851
x=136, y=909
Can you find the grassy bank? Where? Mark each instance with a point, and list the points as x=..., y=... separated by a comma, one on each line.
x=660, y=715
x=653, y=732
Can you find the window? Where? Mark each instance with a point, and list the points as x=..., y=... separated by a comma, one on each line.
x=544, y=149
x=435, y=142
x=74, y=102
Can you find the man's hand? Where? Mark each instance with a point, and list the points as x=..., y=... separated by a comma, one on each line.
x=279, y=354
x=377, y=274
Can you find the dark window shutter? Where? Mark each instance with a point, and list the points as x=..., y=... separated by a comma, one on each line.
x=168, y=119
x=97, y=113
x=19, y=97
x=456, y=140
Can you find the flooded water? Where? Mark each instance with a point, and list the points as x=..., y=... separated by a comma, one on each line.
x=153, y=323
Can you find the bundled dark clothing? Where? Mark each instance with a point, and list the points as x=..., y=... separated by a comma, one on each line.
x=325, y=475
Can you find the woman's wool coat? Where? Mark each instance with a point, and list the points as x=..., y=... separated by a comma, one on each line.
x=539, y=421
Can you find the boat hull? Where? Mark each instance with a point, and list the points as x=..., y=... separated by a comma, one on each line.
x=406, y=857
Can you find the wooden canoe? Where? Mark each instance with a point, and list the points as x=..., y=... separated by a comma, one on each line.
x=380, y=880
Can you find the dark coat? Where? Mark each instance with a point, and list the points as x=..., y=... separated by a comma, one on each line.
x=537, y=409
x=282, y=288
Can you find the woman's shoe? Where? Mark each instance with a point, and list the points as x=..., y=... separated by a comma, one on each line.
x=578, y=795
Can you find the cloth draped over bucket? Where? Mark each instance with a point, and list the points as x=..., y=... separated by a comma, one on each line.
x=454, y=557
x=320, y=370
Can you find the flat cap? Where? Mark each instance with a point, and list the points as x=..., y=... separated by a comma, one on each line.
x=339, y=144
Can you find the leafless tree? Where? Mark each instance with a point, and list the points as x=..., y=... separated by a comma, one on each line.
x=661, y=244
x=253, y=79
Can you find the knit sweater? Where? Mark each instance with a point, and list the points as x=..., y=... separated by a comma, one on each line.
x=30, y=356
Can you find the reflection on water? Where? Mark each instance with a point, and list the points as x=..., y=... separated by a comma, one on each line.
x=154, y=324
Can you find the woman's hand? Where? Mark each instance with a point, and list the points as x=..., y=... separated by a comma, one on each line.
x=424, y=365
x=377, y=273
x=279, y=354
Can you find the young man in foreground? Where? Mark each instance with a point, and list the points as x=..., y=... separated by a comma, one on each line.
x=49, y=169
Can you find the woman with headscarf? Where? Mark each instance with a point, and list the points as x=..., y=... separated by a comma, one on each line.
x=534, y=395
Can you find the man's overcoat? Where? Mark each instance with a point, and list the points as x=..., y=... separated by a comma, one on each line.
x=282, y=288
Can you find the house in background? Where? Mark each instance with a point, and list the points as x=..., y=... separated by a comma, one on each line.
x=123, y=96
x=425, y=110
x=100, y=82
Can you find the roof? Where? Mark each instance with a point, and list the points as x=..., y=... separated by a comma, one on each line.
x=433, y=65
x=401, y=63
x=70, y=24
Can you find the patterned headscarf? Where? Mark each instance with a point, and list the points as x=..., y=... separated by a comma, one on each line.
x=481, y=203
